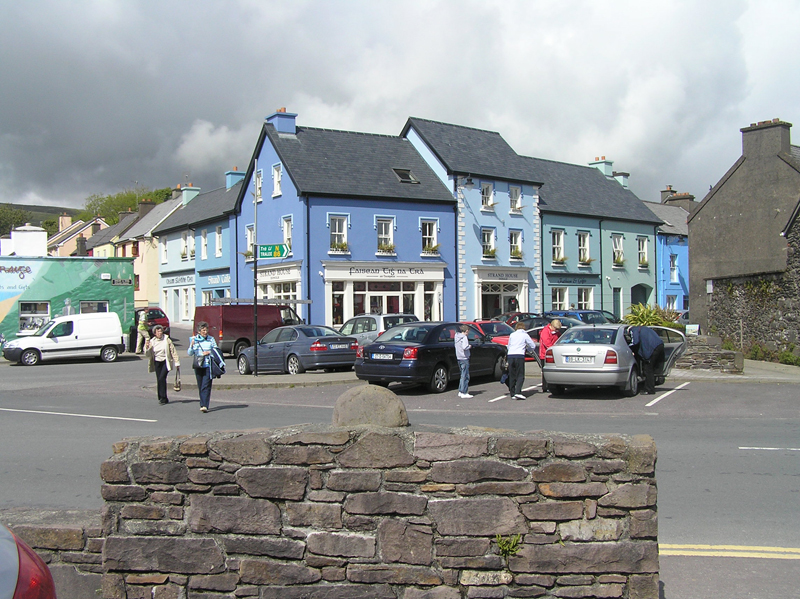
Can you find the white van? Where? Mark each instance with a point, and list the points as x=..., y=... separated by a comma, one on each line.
x=76, y=336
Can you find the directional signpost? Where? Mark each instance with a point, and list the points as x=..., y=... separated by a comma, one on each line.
x=278, y=250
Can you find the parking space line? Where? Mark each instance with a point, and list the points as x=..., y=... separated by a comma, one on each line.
x=663, y=395
x=730, y=551
x=772, y=448
x=76, y=415
x=506, y=395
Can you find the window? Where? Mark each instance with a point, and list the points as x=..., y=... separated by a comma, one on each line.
x=184, y=245
x=191, y=243
x=671, y=302
x=641, y=243
x=557, y=240
x=487, y=196
x=123, y=251
x=276, y=180
x=163, y=243
x=616, y=245
x=203, y=244
x=32, y=315
x=585, y=300
x=558, y=297
x=93, y=307
x=405, y=175
x=287, y=232
x=515, y=199
x=257, y=185
x=218, y=243
x=430, y=244
x=250, y=241
x=136, y=282
x=207, y=297
x=135, y=249
x=583, y=247
x=338, y=226
x=487, y=242
x=384, y=227
x=185, y=303
x=284, y=290
x=515, y=245
x=673, y=268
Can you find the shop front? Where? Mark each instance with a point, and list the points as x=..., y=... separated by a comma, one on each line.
x=281, y=281
x=353, y=288
x=178, y=296
x=213, y=284
x=498, y=290
x=573, y=292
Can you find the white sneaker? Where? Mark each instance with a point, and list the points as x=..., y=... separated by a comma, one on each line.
x=465, y=395
x=519, y=396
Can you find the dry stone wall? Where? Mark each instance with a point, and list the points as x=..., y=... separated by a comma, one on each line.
x=322, y=512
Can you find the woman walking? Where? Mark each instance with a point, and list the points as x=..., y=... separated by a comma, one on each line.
x=200, y=347
x=163, y=358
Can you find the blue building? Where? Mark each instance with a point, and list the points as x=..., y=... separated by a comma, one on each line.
x=369, y=225
x=497, y=259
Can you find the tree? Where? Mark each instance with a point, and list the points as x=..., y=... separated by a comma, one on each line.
x=12, y=217
x=108, y=207
x=51, y=226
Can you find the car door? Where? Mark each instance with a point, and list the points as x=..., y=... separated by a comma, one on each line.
x=675, y=345
x=444, y=349
x=481, y=355
x=285, y=345
x=267, y=351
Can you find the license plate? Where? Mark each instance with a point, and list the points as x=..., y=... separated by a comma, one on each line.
x=579, y=359
x=339, y=346
x=381, y=356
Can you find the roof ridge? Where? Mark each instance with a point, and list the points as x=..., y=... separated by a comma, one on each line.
x=415, y=118
x=365, y=133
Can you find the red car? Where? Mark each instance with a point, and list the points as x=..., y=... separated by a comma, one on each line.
x=512, y=318
x=23, y=573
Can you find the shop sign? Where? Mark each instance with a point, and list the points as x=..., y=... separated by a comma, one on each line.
x=278, y=274
x=19, y=271
x=506, y=276
x=181, y=280
x=219, y=279
x=122, y=281
x=572, y=281
x=387, y=272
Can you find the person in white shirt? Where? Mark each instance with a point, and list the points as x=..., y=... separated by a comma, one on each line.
x=518, y=343
x=461, y=342
x=163, y=358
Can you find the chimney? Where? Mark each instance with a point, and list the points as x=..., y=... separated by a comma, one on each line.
x=766, y=138
x=605, y=166
x=622, y=178
x=176, y=193
x=80, y=249
x=95, y=227
x=64, y=221
x=284, y=122
x=233, y=177
x=684, y=200
x=145, y=206
x=188, y=193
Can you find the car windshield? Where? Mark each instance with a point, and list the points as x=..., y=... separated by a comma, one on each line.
x=413, y=333
x=594, y=318
x=319, y=332
x=496, y=328
x=585, y=336
x=44, y=329
x=393, y=321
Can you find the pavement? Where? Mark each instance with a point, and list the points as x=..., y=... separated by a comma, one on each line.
x=754, y=372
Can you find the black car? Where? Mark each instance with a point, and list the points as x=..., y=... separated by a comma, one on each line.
x=423, y=353
x=586, y=316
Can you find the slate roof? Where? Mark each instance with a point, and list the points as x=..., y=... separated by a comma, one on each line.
x=109, y=233
x=77, y=227
x=468, y=151
x=584, y=190
x=674, y=218
x=327, y=162
x=204, y=207
x=144, y=226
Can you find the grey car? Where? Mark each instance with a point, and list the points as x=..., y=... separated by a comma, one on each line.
x=600, y=356
x=295, y=349
x=366, y=327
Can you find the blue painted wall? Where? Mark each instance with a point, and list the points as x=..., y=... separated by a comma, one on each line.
x=679, y=246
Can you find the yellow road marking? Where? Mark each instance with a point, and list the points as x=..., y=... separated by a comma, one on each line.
x=730, y=551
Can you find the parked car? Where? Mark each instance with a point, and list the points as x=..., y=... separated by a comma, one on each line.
x=683, y=317
x=512, y=318
x=23, y=574
x=367, y=327
x=423, y=353
x=298, y=348
x=534, y=325
x=600, y=355
x=496, y=330
x=586, y=316
x=154, y=316
x=231, y=325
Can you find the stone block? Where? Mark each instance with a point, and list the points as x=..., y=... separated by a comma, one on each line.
x=566, y=448
x=560, y=490
x=61, y=538
x=369, y=405
x=542, y=580
x=152, y=527
x=599, y=529
x=143, y=512
x=565, y=472
x=628, y=557
x=643, y=524
x=522, y=447
x=168, y=473
x=471, y=471
x=161, y=449
x=341, y=544
x=392, y=574
x=163, y=554
x=269, y=572
x=241, y=515
x=122, y=493
x=274, y=482
x=315, y=438
x=277, y=547
x=194, y=446
x=643, y=587
x=441, y=446
x=486, y=592
x=302, y=455
x=484, y=578
x=477, y=517
x=605, y=466
x=553, y=510
x=114, y=471
x=385, y=503
x=641, y=455
x=314, y=515
x=497, y=488
x=167, y=497
x=443, y=592
x=483, y=562
x=331, y=591
x=405, y=476
x=405, y=543
x=206, y=476
x=630, y=495
x=375, y=450
x=606, y=591
x=352, y=481
x=326, y=496
x=461, y=546
x=530, y=591
x=247, y=450
x=333, y=574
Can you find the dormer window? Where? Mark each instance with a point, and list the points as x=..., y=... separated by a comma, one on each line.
x=405, y=175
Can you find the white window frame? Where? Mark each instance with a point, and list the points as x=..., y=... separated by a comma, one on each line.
x=384, y=226
x=184, y=245
x=429, y=230
x=207, y=295
x=673, y=268
x=557, y=245
x=204, y=244
x=559, y=298
x=164, y=254
x=287, y=232
x=487, y=196
x=585, y=298
x=618, y=250
x=338, y=225
x=258, y=185
x=277, y=171
x=218, y=241
x=515, y=244
x=672, y=301
x=191, y=241
x=641, y=244
x=250, y=242
x=515, y=199
x=584, y=255
x=488, y=247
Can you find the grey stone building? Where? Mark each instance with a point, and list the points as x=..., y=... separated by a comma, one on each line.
x=744, y=241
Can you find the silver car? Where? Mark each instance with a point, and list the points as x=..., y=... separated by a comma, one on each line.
x=601, y=356
x=366, y=327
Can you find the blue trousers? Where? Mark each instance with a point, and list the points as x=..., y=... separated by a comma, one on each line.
x=463, y=384
x=204, y=379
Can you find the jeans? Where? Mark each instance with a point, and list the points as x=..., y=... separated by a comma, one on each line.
x=203, y=376
x=463, y=384
x=161, y=380
x=516, y=374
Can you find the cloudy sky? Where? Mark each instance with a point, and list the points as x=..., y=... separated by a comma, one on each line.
x=99, y=96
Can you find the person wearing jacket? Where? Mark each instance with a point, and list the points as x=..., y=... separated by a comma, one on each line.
x=163, y=357
x=201, y=346
x=649, y=349
x=461, y=342
x=518, y=343
x=547, y=337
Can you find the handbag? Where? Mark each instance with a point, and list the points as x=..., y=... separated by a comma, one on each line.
x=198, y=361
x=177, y=385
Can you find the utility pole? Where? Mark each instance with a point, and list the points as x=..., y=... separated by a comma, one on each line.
x=256, y=198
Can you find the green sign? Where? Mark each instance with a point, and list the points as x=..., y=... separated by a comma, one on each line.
x=278, y=250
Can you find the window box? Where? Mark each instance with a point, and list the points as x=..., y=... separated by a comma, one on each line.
x=587, y=262
x=644, y=264
x=386, y=248
x=619, y=263
x=490, y=253
x=431, y=250
x=183, y=255
x=516, y=255
x=561, y=260
x=339, y=248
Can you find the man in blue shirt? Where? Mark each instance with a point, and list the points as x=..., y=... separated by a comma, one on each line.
x=649, y=349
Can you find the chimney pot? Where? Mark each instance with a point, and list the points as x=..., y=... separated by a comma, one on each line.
x=596, y=158
x=604, y=157
x=281, y=109
x=236, y=168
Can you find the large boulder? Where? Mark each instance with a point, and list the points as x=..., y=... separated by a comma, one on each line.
x=369, y=405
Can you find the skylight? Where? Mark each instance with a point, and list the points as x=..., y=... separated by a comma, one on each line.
x=405, y=175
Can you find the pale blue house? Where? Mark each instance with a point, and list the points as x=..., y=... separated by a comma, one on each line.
x=672, y=256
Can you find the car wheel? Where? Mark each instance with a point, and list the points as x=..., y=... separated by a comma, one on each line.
x=556, y=390
x=439, y=379
x=239, y=347
x=660, y=380
x=30, y=357
x=293, y=365
x=108, y=354
x=632, y=387
x=243, y=364
x=500, y=367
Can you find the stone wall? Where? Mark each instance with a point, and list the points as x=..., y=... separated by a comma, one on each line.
x=323, y=512
x=705, y=353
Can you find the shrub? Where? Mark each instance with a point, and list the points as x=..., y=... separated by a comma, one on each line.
x=646, y=316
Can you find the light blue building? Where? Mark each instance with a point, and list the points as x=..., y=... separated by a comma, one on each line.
x=369, y=225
